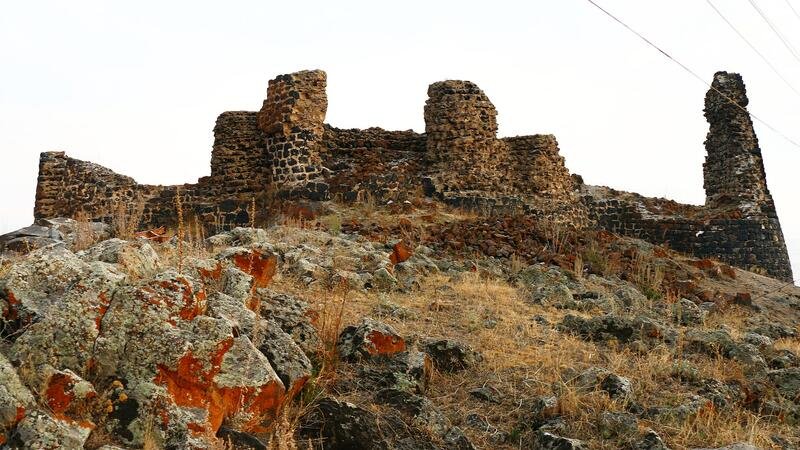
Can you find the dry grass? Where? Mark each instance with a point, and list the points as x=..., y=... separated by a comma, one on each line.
x=524, y=360
x=127, y=217
x=84, y=234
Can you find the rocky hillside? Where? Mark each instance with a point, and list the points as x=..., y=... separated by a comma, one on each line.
x=407, y=326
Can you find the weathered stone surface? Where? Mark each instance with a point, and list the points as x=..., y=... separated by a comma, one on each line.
x=39, y=430
x=344, y=426
x=622, y=328
x=650, y=441
x=369, y=339
x=452, y=356
x=737, y=446
x=15, y=399
x=136, y=257
x=549, y=441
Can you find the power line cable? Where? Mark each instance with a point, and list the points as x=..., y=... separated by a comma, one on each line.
x=691, y=72
x=775, y=30
x=753, y=47
x=792, y=8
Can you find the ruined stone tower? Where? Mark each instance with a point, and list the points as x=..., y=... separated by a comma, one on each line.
x=292, y=119
x=733, y=172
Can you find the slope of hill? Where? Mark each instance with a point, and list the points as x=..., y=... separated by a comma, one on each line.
x=402, y=325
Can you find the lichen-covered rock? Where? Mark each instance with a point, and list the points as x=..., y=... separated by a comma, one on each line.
x=455, y=439
x=787, y=382
x=611, y=326
x=599, y=378
x=260, y=264
x=686, y=312
x=292, y=366
x=67, y=395
x=383, y=280
x=650, y=441
x=37, y=282
x=617, y=425
x=421, y=409
x=66, y=331
x=137, y=257
x=737, y=446
x=41, y=431
x=451, y=356
x=369, y=339
x=294, y=316
x=549, y=441
x=409, y=370
x=29, y=238
x=15, y=399
x=344, y=426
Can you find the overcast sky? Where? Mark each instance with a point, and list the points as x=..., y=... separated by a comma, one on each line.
x=137, y=86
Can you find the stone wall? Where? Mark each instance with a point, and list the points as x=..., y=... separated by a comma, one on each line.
x=68, y=187
x=239, y=155
x=287, y=149
x=754, y=243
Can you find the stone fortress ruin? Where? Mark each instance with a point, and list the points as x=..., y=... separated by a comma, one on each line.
x=287, y=150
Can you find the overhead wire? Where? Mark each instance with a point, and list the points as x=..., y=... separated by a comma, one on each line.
x=775, y=30
x=753, y=47
x=792, y=8
x=698, y=77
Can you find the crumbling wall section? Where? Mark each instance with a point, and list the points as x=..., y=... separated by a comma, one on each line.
x=749, y=243
x=69, y=187
x=239, y=157
x=535, y=166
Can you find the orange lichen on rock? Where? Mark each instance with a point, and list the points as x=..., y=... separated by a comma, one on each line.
x=11, y=312
x=210, y=274
x=400, y=253
x=102, y=308
x=193, y=302
x=192, y=384
x=384, y=344
x=259, y=265
x=59, y=395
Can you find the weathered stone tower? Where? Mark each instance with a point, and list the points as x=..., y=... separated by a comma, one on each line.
x=461, y=127
x=292, y=119
x=733, y=172
x=736, y=183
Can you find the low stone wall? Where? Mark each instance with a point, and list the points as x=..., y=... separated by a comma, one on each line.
x=340, y=139
x=753, y=243
x=68, y=187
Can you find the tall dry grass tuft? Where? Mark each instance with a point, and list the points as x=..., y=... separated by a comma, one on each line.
x=179, y=210
x=127, y=217
x=84, y=234
x=648, y=275
x=329, y=326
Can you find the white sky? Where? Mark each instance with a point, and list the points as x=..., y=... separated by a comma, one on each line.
x=137, y=86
